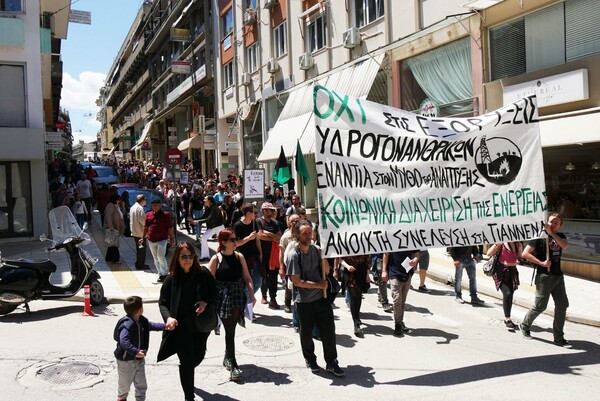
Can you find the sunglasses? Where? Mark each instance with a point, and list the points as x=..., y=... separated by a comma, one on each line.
x=186, y=257
x=231, y=239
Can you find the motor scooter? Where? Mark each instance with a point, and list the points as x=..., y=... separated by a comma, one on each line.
x=23, y=280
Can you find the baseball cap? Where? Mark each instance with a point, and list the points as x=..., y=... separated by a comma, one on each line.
x=268, y=205
x=155, y=200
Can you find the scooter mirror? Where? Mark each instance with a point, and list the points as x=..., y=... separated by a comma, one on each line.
x=43, y=237
x=85, y=226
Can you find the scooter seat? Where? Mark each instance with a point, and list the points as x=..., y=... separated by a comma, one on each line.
x=41, y=265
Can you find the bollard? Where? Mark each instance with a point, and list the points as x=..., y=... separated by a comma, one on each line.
x=87, y=306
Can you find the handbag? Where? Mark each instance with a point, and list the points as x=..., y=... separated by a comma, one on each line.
x=206, y=321
x=489, y=267
x=111, y=237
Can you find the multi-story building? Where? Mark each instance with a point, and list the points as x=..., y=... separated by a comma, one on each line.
x=552, y=49
x=30, y=78
x=159, y=90
x=449, y=57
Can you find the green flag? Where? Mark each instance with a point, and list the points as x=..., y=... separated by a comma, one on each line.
x=282, y=173
x=301, y=168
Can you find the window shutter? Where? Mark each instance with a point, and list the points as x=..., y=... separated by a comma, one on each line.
x=507, y=50
x=545, y=38
x=582, y=26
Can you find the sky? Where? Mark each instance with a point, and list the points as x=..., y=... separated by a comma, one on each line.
x=87, y=55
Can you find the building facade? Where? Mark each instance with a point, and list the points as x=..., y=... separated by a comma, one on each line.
x=262, y=58
x=30, y=78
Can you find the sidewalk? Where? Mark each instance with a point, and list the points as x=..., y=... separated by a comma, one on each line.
x=121, y=281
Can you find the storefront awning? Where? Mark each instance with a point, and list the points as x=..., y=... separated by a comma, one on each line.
x=569, y=130
x=145, y=133
x=194, y=142
x=135, y=147
x=296, y=119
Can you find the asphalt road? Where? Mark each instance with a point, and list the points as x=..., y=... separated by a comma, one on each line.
x=452, y=352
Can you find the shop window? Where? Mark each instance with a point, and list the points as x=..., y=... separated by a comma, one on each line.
x=315, y=34
x=573, y=189
x=252, y=139
x=12, y=96
x=252, y=57
x=552, y=36
x=367, y=11
x=228, y=75
x=280, y=39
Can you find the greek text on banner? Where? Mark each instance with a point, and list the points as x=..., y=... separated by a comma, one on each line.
x=390, y=180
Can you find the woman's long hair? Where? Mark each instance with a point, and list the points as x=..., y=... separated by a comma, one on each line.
x=175, y=268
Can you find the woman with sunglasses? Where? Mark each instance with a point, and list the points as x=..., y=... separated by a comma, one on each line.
x=230, y=269
x=187, y=291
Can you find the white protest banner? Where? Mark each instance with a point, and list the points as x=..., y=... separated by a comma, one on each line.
x=390, y=180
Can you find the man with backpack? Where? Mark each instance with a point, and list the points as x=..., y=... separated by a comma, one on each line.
x=307, y=271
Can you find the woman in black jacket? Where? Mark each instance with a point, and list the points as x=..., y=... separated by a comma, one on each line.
x=188, y=290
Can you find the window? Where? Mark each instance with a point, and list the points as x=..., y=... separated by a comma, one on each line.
x=367, y=11
x=551, y=36
x=228, y=75
x=12, y=96
x=280, y=39
x=252, y=57
x=315, y=34
x=227, y=23
x=11, y=5
x=251, y=3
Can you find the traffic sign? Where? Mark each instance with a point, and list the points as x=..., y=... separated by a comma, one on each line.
x=174, y=156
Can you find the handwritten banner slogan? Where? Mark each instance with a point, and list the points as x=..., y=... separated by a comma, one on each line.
x=390, y=180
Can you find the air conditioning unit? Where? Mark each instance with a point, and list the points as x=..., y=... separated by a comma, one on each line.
x=246, y=79
x=351, y=38
x=250, y=16
x=306, y=61
x=272, y=65
x=268, y=4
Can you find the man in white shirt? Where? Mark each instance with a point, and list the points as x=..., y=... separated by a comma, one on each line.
x=84, y=187
x=137, y=221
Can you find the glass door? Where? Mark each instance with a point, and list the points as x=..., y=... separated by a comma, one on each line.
x=15, y=199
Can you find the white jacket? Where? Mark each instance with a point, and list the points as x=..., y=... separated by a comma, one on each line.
x=137, y=220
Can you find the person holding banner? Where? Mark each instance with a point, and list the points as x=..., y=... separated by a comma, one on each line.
x=549, y=279
x=506, y=275
x=465, y=257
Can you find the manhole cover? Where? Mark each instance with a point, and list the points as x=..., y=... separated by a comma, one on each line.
x=269, y=343
x=68, y=373
x=61, y=375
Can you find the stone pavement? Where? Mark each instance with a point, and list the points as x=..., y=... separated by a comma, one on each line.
x=122, y=280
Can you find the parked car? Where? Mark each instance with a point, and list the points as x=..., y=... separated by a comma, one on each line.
x=133, y=190
x=105, y=175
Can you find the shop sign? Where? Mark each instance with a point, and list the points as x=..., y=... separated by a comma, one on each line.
x=158, y=141
x=80, y=17
x=181, y=67
x=232, y=145
x=569, y=87
x=180, y=35
x=145, y=145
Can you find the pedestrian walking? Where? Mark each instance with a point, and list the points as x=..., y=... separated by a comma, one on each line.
x=188, y=291
x=137, y=222
x=546, y=254
x=132, y=334
x=307, y=270
x=354, y=274
x=465, y=257
x=506, y=275
x=398, y=268
x=158, y=228
x=232, y=275
x=114, y=227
